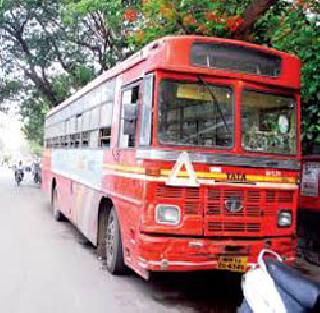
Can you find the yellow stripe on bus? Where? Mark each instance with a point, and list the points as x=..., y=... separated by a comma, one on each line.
x=205, y=175
x=250, y=178
x=121, y=168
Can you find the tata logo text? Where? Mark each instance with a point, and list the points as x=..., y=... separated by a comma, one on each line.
x=236, y=177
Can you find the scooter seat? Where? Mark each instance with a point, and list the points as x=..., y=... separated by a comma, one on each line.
x=296, y=286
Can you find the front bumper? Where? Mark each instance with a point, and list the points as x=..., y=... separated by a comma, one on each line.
x=160, y=253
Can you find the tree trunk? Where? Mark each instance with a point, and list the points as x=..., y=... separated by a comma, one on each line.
x=251, y=14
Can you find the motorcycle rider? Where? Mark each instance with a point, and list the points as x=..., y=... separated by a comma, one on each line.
x=36, y=171
x=19, y=171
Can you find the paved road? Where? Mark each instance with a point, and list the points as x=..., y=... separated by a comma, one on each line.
x=47, y=267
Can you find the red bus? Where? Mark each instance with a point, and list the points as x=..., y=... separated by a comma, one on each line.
x=309, y=208
x=183, y=157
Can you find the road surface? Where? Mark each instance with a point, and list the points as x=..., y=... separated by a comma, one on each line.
x=47, y=267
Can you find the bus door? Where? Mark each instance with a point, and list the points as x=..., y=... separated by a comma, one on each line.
x=130, y=183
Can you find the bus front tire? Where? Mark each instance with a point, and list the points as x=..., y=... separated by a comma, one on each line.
x=110, y=244
x=58, y=216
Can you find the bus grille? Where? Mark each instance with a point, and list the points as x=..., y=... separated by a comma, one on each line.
x=250, y=199
x=187, y=198
x=256, y=204
x=210, y=202
x=233, y=227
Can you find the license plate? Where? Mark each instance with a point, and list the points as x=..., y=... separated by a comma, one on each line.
x=233, y=264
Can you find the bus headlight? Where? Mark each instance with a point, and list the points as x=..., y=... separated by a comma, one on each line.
x=168, y=214
x=285, y=218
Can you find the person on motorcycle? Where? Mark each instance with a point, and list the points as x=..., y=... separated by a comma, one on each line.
x=19, y=172
x=36, y=171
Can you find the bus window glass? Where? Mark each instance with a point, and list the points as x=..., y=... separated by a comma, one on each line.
x=78, y=122
x=268, y=123
x=86, y=121
x=110, y=90
x=195, y=114
x=85, y=139
x=235, y=58
x=105, y=137
x=67, y=126
x=106, y=114
x=94, y=139
x=129, y=116
x=73, y=124
x=146, y=116
x=95, y=118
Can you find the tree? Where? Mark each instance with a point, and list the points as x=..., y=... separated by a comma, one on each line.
x=54, y=47
x=38, y=58
x=295, y=29
x=33, y=112
x=251, y=14
x=99, y=29
x=290, y=27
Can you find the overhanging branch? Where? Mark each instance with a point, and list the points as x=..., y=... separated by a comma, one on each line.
x=251, y=14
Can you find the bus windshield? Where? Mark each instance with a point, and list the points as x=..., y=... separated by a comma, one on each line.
x=196, y=114
x=268, y=123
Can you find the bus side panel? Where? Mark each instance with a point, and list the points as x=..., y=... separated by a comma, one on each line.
x=64, y=200
x=126, y=189
x=46, y=172
x=84, y=210
x=78, y=203
x=78, y=176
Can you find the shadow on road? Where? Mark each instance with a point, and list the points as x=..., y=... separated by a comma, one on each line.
x=214, y=291
x=202, y=291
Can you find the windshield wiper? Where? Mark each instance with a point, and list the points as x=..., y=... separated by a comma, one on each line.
x=215, y=103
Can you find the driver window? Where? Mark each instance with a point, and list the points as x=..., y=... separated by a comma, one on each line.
x=129, y=115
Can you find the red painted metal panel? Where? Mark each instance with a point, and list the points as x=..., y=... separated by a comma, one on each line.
x=207, y=229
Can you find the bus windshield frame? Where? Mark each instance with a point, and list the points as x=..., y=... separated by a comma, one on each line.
x=188, y=95
x=234, y=120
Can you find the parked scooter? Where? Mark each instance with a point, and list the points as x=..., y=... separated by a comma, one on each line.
x=275, y=287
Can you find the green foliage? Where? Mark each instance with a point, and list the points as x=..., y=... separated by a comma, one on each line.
x=36, y=148
x=33, y=111
x=286, y=26
x=292, y=30
x=41, y=58
x=8, y=89
x=101, y=28
x=158, y=18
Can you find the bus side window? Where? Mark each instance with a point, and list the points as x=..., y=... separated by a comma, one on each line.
x=129, y=115
x=105, y=137
x=146, y=111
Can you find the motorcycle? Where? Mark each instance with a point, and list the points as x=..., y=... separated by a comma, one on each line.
x=36, y=178
x=37, y=173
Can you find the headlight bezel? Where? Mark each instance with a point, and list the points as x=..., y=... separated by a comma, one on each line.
x=163, y=206
x=282, y=212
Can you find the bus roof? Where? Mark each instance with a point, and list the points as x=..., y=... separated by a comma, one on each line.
x=172, y=53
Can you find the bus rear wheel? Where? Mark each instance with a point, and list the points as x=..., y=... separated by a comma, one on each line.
x=112, y=250
x=58, y=216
